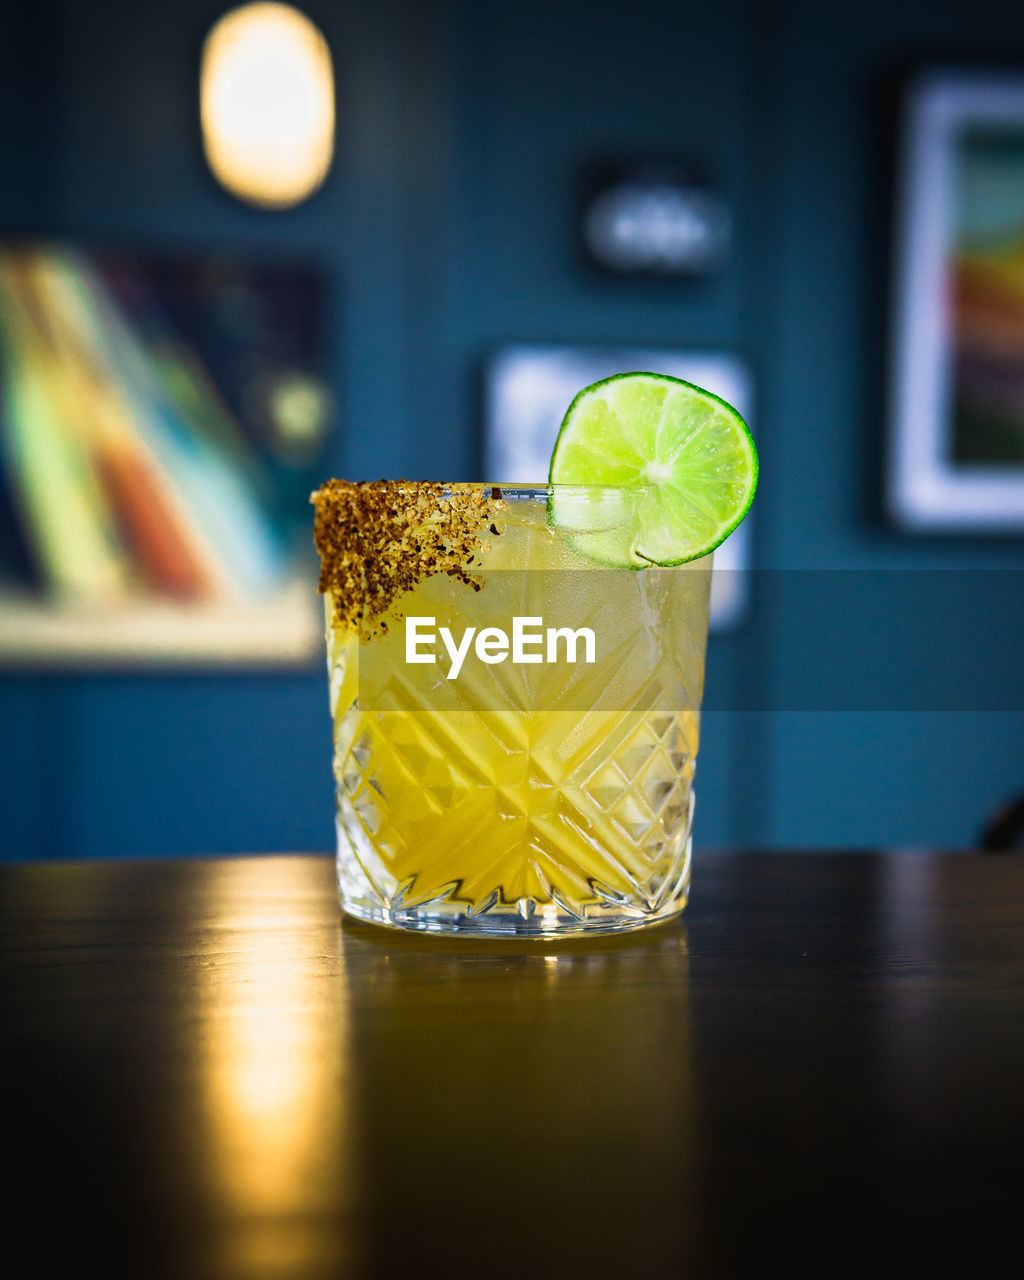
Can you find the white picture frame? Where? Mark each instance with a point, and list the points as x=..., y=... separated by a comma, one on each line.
x=953, y=207
x=529, y=386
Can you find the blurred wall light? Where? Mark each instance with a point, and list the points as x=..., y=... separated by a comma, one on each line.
x=266, y=95
x=654, y=218
x=660, y=229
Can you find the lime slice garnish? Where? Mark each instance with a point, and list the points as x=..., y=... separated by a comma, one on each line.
x=685, y=458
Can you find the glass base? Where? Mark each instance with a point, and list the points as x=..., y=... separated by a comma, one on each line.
x=505, y=925
x=524, y=918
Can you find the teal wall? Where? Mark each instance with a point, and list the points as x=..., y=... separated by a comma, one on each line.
x=446, y=228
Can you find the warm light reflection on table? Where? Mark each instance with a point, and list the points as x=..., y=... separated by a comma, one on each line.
x=274, y=1066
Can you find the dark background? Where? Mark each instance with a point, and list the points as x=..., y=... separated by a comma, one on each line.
x=446, y=227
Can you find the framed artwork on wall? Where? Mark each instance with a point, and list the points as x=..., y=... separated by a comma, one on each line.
x=956, y=441
x=529, y=387
x=162, y=422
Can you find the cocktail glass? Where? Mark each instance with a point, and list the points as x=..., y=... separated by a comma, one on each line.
x=540, y=798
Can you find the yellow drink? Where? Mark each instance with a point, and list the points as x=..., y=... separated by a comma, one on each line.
x=541, y=798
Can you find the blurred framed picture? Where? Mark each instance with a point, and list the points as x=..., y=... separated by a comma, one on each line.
x=956, y=460
x=530, y=386
x=162, y=422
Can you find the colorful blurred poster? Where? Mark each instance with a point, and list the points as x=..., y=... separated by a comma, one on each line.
x=988, y=398
x=162, y=422
x=957, y=444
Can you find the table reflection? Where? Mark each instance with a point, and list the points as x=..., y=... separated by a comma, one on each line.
x=273, y=1072
x=512, y=1070
x=364, y=1090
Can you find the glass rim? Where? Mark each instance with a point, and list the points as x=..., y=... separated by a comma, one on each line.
x=521, y=490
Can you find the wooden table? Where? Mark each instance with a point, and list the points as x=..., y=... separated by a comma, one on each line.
x=207, y=1075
